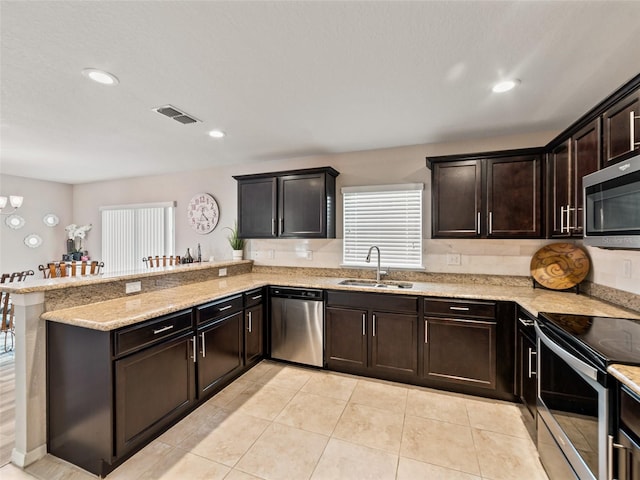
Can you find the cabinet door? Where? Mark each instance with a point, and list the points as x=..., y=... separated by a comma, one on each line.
x=219, y=352
x=253, y=336
x=460, y=351
x=302, y=206
x=346, y=338
x=513, y=197
x=527, y=384
x=394, y=343
x=585, y=146
x=153, y=387
x=621, y=129
x=257, y=210
x=457, y=195
x=560, y=190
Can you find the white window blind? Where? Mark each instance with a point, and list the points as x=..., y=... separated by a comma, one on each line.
x=388, y=216
x=131, y=232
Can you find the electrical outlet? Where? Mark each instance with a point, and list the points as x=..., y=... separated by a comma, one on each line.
x=222, y=272
x=132, y=287
x=626, y=268
x=309, y=255
x=453, y=259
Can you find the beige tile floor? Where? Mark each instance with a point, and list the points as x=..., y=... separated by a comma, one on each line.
x=284, y=422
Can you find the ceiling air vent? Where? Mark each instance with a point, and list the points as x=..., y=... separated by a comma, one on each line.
x=177, y=115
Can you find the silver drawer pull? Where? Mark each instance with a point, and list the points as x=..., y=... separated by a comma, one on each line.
x=222, y=309
x=204, y=348
x=462, y=309
x=163, y=329
x=256, y=297
x=526, y=322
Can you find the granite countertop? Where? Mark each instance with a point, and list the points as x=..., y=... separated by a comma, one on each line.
x=627, y=374
x=112, y=314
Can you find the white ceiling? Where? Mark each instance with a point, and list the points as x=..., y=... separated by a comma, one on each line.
x=290, y=79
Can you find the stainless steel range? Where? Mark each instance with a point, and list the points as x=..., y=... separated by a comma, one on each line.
x=574, y=390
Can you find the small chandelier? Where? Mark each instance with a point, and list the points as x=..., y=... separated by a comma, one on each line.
x=14, y=200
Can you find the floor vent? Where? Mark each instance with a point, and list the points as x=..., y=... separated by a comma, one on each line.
x=177, y=115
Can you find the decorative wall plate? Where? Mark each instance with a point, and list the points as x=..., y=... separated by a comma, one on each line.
x=14, y=221
x=559, y=266
x=203, y=213
x=50, y=219
x=33, y=240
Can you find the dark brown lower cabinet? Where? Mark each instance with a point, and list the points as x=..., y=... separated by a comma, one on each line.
x=153, y=387
x=460, y=350
x=372, y=334
x=346, y=339
x=394, y=343
x=527, y=384
x=253, y=334
x=219, y=352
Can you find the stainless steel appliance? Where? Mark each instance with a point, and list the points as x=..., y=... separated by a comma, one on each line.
x=629, y=436
x=297, y=325
x=574, y=390
x=612, y=206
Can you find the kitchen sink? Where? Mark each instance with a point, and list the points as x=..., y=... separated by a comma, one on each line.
x=358, y=282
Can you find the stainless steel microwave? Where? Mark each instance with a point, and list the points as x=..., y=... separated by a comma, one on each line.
x=612, y=206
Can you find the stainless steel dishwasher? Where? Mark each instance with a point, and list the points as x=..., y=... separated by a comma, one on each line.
x=297, y=325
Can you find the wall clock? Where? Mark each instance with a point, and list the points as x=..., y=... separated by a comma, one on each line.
x=203, y=213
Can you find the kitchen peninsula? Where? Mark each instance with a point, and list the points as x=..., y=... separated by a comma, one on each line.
x=100, y=304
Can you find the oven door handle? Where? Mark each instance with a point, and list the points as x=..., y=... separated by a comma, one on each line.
x=576, y=364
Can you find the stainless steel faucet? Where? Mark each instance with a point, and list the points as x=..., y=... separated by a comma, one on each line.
x=368, y=259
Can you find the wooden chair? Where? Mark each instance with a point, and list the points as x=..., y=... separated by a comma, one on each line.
x=163, y=261
x=7, y=326
x=70, y=269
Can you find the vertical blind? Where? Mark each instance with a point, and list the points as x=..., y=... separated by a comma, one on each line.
x=388, y=216
x=131, y=232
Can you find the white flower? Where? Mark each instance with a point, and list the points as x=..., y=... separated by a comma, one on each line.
x=74, y=231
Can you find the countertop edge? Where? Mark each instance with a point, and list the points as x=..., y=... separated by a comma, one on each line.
x=628, y=375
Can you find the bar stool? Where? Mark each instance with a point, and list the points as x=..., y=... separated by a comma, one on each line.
x=70, y=269
x=163, y=261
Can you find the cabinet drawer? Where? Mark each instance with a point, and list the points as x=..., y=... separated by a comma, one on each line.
x=388, y=302
x=144, y=334
x=254, y=297
x=219, y=309
x=460, y=308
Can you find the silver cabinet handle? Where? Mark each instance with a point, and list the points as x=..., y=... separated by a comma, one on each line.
x=632, y=128
x=462, y=309
x=249, y=322
x=364, y=324
x=374, y=325
x=490, y=223
x=478, y=223
x=281, y=225
x=561, y=219
x=531, y=354
x=204, y=348
x=569, y=218
x=610, y=446
x=162, y=329
x=193, y=343
x=256, y=297
x=222, y=309
x=426, y=331
x=526, y=322
x=273, y=227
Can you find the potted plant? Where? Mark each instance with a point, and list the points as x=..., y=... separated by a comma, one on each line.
x=237, y=243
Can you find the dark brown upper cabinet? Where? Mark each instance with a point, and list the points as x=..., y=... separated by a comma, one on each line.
x=290, y=204
x=487, y=195
x=571, y=160
x=621, y=129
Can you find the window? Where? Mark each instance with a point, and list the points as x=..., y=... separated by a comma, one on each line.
x=131, y=232
x=388, y=216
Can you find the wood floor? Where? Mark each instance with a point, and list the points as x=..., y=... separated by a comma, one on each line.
x=7, y=405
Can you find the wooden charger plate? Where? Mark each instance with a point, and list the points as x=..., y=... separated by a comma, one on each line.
x=559, y=266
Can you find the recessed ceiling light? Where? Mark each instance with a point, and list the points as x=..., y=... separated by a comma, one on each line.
x=100, y=76
x=217, y=133
x=505, y=85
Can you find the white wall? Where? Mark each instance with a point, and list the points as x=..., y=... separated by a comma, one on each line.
x=40, y=198
x=393, y=165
